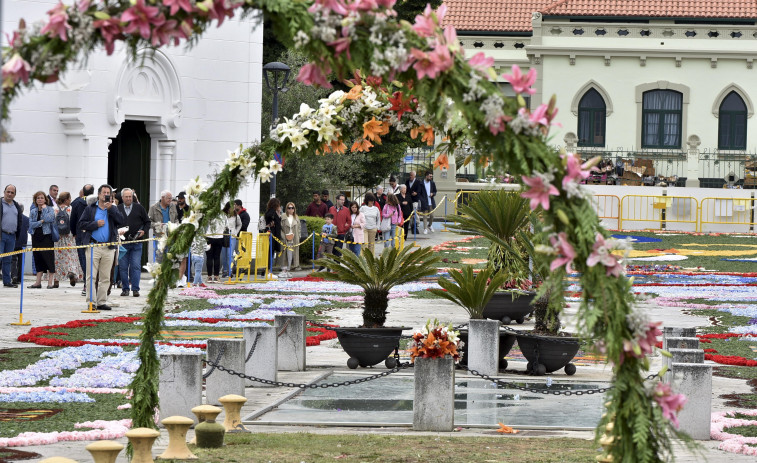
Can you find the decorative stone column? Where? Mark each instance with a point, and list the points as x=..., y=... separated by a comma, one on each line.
x=180, y=386
x=692, y=161
x=483, y=346
x=434, y=401
x=230, y=353
x=290, y=330
x=166, y=156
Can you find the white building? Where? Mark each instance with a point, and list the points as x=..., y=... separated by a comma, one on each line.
x=668, y=81
x=150, y=125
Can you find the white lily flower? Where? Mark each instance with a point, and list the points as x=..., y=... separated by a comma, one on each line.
x=153, y=268
x=264, y=174
x=171, y=227
x=274, y=166
x=305, y=111
x=195, y=187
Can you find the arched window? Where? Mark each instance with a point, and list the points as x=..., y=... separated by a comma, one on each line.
x=661, y=119
x=591, y=119
x=732, y=125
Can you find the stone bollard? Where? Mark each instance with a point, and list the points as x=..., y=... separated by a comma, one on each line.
x=290, y=330
x=694, y=380
x=483, y=346
x=263, y=363
x=177, y=427
x=232, y=406
x=678, y=343
x=230, y=353
x=104, y=451
x=141, y=440
x=676, y=332
x=204, y=413
x=180, y=386
x=686, y=355
x=434, y=401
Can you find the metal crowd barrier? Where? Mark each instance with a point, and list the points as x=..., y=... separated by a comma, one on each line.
x=656, y=211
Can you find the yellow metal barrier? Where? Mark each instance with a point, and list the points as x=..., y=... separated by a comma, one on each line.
x=657, y=211
x=729, y=211
x=244, y=261
x=607, y=207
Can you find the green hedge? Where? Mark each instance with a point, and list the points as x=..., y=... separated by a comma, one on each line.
x=314, y=224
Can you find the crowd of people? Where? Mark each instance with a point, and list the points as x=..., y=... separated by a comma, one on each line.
x=57, y=224
x=354, y=224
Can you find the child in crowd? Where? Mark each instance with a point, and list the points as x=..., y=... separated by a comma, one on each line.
x=328, y=233
x=198, y=248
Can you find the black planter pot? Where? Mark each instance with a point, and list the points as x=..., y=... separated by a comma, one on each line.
x=506, y=308
x=506, y=341
x=369, y=346
x=546, y=354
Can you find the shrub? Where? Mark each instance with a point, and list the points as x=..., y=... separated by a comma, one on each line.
x=314, y=224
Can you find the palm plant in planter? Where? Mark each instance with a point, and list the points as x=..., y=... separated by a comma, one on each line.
x=376, y=275
x=473, y=292
x=504, y=217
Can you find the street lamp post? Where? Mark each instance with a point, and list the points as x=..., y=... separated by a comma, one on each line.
x=279, y=75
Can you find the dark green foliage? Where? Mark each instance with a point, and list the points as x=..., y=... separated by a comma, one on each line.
x=314, y=224
x=378, y=274
x=470, y=291
x=409, y=9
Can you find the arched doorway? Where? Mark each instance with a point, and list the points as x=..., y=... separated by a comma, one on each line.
x=129, y=163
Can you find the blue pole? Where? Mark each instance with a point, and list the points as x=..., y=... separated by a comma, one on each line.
x=22, y=256
x=313, y=258
x=154, y=251
x=189, y=267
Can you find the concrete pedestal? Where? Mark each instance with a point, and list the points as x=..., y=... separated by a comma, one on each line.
x=694, y=380
x=676, y=332
x=290, y=330
x=263, y=363
x=231, y=354
x=483, y=346
x=180, y=386
x=434, y=402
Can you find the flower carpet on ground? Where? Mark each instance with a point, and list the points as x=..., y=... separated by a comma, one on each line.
x=724, y=428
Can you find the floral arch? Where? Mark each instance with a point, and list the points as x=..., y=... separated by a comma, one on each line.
x=417, y=79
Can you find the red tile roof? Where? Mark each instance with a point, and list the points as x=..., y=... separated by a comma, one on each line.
x=515, y=15
x=736, y=9
x=492, y=15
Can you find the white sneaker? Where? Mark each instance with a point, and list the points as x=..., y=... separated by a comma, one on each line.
x=273, y=277
x=182, y=283
x=283, y=274
x=425, y=231
x=289, y=275
x=432, y=229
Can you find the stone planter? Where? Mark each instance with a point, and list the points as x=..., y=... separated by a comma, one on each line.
x=434, y=402
x=483, y=346
x=369, y=346
x=507, y=307
x=546, y=354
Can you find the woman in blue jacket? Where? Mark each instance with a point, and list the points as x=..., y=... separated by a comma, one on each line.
x=41, y=221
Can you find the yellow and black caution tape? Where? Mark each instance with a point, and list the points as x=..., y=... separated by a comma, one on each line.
x=82, y=246
x=291, y=248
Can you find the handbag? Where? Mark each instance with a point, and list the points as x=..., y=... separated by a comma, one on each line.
x=349, y=237
x=55, y=232
x=226, y=237
x=386, y=224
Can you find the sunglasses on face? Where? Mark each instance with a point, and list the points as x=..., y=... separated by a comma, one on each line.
x=290, y=207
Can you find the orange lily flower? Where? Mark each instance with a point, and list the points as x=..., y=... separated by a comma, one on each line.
x=337, y=146
x=362, y=145
x=354, y=93
x=506, y=429
x=373, y=130
x=442, y=161
x=428, y=135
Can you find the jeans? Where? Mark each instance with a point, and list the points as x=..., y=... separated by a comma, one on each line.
x=7, y=244
x=214, y=256
x=197, y=262
x=390, y=236
x=355, y=248
x=130, y=267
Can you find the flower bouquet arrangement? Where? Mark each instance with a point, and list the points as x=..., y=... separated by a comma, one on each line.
x=435, y=341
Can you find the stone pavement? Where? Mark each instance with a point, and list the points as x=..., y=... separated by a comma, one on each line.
x=55, y=306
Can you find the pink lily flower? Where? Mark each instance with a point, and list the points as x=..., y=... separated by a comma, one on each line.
x=521, y=83
x=311, y=74
x=576, y=172
x=540, y=191
x=431, y=64
x=58, y=24
x=341, y=45
x=645, y=344
x=140, y=17
x=177, y=5
x=670, y=403
x=565, y=252
x=83, y=5
x=15, y=69
x=110, y=29
x=425, y=24
x=481, y=62
x=362, y=5
x=499, y=124
x=602, y=253
x=337, y=6
x=163, y=34
x=388, y=4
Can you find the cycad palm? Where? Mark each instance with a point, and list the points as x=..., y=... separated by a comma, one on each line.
x=378, y=274
x=503, y=217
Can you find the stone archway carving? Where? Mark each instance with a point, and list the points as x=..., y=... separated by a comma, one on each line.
x=724, y=93
x=147, y=88
x=582, y=91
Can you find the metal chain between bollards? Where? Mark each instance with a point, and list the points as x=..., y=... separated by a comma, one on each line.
x=509, y=385
x=214, y=364
x=312, y=385
x=252, y=349
x=283, y=329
